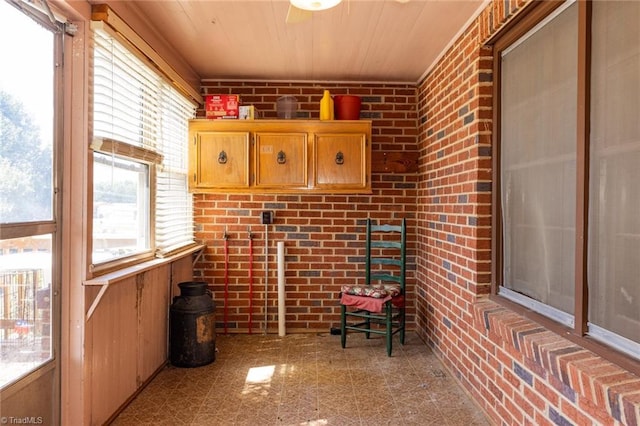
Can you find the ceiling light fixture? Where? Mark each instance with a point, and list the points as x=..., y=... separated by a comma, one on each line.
x=315, y=4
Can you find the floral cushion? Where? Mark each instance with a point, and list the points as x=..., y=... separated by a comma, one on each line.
x=379, y=291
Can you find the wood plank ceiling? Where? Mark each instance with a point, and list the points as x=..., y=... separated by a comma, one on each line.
x=359, y=40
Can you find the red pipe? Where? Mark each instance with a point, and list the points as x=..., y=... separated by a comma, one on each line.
x=226, y=280
x=250, y=281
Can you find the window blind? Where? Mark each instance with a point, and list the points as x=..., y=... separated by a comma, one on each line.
x=135, y=106
x=126, y=95
x=174, y=208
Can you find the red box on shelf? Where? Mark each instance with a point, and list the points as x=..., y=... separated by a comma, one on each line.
x=221, y=106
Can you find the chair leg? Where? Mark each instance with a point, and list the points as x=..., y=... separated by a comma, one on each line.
x=367, y=322
x=343, y=325
x=402, y=324
x=389, y=336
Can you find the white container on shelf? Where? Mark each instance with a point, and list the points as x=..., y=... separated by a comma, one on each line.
x=287, y=107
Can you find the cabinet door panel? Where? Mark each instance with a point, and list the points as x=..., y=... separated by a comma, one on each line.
x=281, y=160
x=222, y=159
x=340, y=160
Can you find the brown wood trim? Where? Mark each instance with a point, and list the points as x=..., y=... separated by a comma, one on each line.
x=111, y=146
x=496, y=211
x=527, y=19
x=105, y=17
x=394, y=162
x=100, y=12
x=26, y=229
x=582, y=168
x=119, y=264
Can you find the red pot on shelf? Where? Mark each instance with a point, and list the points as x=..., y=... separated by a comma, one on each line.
x=347, y=107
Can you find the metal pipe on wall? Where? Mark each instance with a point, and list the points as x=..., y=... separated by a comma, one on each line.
x=226, y=279
x=250, y=280
x=266, y=274
x=281, y=295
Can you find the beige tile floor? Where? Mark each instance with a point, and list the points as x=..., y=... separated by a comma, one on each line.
x=306, y=379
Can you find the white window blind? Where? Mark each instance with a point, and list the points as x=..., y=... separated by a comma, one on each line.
x=126, y=95
x=137, y=113
x=174, y=208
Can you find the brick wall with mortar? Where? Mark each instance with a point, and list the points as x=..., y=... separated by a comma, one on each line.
x=323, y=234
x=518, y=372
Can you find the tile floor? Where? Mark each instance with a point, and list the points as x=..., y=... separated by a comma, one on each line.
x=307, y=379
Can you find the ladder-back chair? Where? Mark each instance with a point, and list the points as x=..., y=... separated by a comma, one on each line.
x=378, y=306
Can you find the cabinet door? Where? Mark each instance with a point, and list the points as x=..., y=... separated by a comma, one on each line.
x=281, y=160
x=222, y=160
x=340, y=161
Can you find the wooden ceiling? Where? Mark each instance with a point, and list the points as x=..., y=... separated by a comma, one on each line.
x=358, y=40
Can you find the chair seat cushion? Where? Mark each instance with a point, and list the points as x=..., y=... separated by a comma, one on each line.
x=379, y=291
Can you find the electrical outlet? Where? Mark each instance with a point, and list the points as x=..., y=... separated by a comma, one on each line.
x=266, y=217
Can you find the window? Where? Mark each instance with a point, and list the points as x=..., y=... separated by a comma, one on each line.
x=566, y=180
x=614, y=173
x=539, y=164
x=28, y=216
x=141, y=204
x=120, y=207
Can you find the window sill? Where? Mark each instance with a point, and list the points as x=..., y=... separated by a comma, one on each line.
x=104, y=281
x=569, y=368
x=119, y=275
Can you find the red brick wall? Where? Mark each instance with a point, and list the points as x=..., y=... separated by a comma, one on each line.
x=518, y=372
x=323, y=234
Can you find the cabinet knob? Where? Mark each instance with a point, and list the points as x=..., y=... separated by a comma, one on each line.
x=222, y=157
x=282, y=157
x=339, y=158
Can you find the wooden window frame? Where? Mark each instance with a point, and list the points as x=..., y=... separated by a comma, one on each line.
x=530, y=17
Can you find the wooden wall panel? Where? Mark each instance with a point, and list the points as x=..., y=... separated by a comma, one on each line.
x=153, y=317
x=112, y=332
x=127, y=334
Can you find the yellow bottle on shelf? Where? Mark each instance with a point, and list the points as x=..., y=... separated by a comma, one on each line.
x=326, y=106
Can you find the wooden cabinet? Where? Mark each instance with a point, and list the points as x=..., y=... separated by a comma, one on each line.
x=221, y=160
x=280, y=160
x=340, y=161
x=280, y=156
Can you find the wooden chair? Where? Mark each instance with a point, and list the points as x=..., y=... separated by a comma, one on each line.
x=378, y=306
